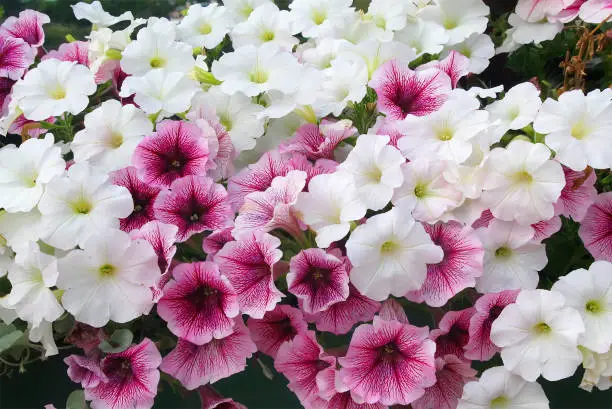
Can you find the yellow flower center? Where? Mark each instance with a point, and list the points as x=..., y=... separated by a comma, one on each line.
x=116, y=140
x=503, y=252
x=594, y=306
x=157, y=62
x=580, y=130
x=501, y=402
x=542, y=328
x=389, y=246
x=106, y=270
x=258, y=76
x=58, y=93
x=81, y=206
x=205, y=29
x=420, y=190
x=319, y=16
x=523, y=177
x=267, y=35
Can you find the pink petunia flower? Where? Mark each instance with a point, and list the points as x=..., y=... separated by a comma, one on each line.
x=302, y=360
x=143, y=195
x=462, y=263
x=318, y=279
x=483, y=221
x=402, y=91
x=577, y=195
x=488, y=307
x=28, y=26
x=453, y=332
x=272, y=209
x=455, y=65
x=338, y=396
x=132, y=379
x=196, y=365
x=452, y=374
x=85, y=337
x=339, y=318
x=15, y=57
x=198, y=303
x=392, y=310
x=6, y=85
x=248, y=264
x=211, y=399
x=278, y=326
x=76, y=51
x=85, y=370
x=546, y=228
x=596, y=228
x=27, y=127
x=319, y=141
x=194, y=204
x=215, y=241
x=389, y=362
x=175, y=150
x=394, y=129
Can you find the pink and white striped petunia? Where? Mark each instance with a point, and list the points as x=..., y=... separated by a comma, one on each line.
x=15, y=57
x=198, y=303
x=132, y=378
x=278, y=326
x=194, y=204
x=28, y=26
x=462, y=263
x=215, y=241
x=318, y=279
x=455, y=65
x=319, y=141
x=76, y=51
x=175, y=150
x=596, y=228
x=392, y=310
x=85, y=370
x=248, y=264
x=337, y=395
x=577, y=195
x=453, y=332
x=6, y=85
x=537, y=10
x=143, y=195
x=23, y=126
x=389, y=362
x=546, y=228
x=211, y=399
x=394, y=129
x=196, y=365
x=488, y=307
x=402, y=91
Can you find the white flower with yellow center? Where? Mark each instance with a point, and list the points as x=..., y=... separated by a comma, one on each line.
x=204, y=26
x=266, y=24
x=517, y=109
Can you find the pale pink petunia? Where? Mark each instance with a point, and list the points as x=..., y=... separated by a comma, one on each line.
x=568, y=13
x=132, y=379
x=278, y=326
x=452, y=374
x=76, y=51
x=175, y=150
x=339, y=318
x=577, y=195
x=28, y=26
x=394, y=129
x=248, y=264
x=389, y=362
x=595, y=11
x=143, y=195
x=462, y=263
x=211, y=399
x=455, y=65
x=402, y=91
x=393, y=310
x=596, y=228
x=488, y=307
x=85, y=370
x=194, y=204
x=215, y=241
x=319, y=141
x=198, y=303
x=27, y=127
x=453, y=332
x=15, y=57
x=546, y=228
x=318, y=279
x=273, y=208
x=537, y=10
x=483, y=221
x=302, y=360
x=196, y=365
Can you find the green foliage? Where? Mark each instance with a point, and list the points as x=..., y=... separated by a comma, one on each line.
x=9, y=335
x=76, y=400
x=118, y=342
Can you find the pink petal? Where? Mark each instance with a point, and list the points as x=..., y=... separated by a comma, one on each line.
x=15, y=57
x=596, y=228
x=76, y=51
x=276, y=327
x=319, y=141
x=143, y=195
x=216, y=240
x=453, y=332
x=455, y=65
x=28, y=27
x=85, y=370
x=211, y=399
x=546, y=228
x=23, y=126
x=577, y=195
x=392, y=310
x=484, y=220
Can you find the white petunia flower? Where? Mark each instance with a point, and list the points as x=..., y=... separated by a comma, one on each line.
x=597, y=370
x=319, y=18
x=112, y=132
x=590, y=293
x=25, y=170
x=499, y=389
x=389, y=254
x=329, y=206
x=517, y=109
x=79, y=204
x=578, y=128
x=18, y=229
x=95, y=14
x=423, y=37
x=486, y=92
x=52, y=88
x=539, y=336
x=522, y=182
x=460, y=18
x=345, y=82
x=43, y=333
x=109, y=279
x=266, y=24
x=375, y=53
x=388, y=16
x=479, y=48
x=524, y=32
x=104, y=41
x=511, y=259
x=376, y=168
x=321, y=53
x=204, y=26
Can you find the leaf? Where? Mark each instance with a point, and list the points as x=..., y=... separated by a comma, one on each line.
x=76, y=400
x=118, y=342
x=8, y=336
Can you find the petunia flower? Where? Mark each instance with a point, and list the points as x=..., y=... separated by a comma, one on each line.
x=211, y=399
x=546, y=228
x=204, y=26
x=212, y=243
x=95, y=14
x=85, y=370
x=16, y=56
x=266, y=24
x=278, y=326
x=536, y=10
x=319, y=18
x=479, y=49
x=578, y=194
x=595, y=11
x=455, y=65
x=76, y=51
x=143, y=196
x=460, y=18
x=517, y=109
x=595, y=229
x=452, y=334
x=319, y=141
x=28, y=26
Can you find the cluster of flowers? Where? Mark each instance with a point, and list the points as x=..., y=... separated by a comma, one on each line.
x=324, y=173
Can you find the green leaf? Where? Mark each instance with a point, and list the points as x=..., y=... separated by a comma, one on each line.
x=8, y=336
x=76, y=400
x=118, y=342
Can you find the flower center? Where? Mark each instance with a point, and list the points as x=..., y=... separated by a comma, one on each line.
x=194, y=217
x=380, y=22
x=226, y=121
x=81, y=206
x=119, y=369
x=58, y=93
x=542, y=328
x=176, y=164
x=203, y=296
x=116, y=140
x=501, y=402
x=106, y=270
x=157, y=62
x=467, y=52
x=137, y=208
x=205, y=29
x=374, y=174
x=267, y=35
x=445, y=134
x=503, y=252
x=258, y=76
x=580, y=130
x=449, y=23
x=594, y=306
x=420, y=190
x=523, y=177
x=513, y=113
x=389, y=352
x=319, y=16
x=389, y=246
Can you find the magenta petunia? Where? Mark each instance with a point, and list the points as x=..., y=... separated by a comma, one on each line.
x=389, y=362
x=337, y=395
x=318, y=279
x=85, y=370
x=483, y=221
x=577, y=195
x=302, y=360
x=6, y=85
x=197, y=365
x=455, y=65
x=392, y=310
x=402, y=91
x=194, y=204
x=26, y=127
x=76, y=51
x=319, y=141
x=488, y=307
x=15, y=57
x=248, y=263
x=143, y=195
x=132, y=379
x=339, y=318
x=272, y=209
x=453, y=333
x=596, y=228
x=546, y=228
x=211, y=399
x=452, y=374
x=278, y=326
x=28, y=26
x=462, y=263
x=175, y=150
x=215, y=241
